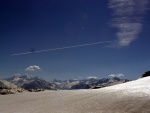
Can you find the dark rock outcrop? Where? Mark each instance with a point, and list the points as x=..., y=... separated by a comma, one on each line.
x=81, y=86
x=8, y=91
x=146, y=74
x=9, y=88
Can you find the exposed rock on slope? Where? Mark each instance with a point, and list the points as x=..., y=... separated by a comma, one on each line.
x=7, y=87
x=146, y=74
x=81, y=86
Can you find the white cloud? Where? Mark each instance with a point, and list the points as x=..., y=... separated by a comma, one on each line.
x=127, y=19
x=116, y=75
x=32, y=68
x=17, y=74
x=90, y=77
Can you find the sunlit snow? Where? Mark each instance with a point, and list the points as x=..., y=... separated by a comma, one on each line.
x=139, y=87
x=130, y=97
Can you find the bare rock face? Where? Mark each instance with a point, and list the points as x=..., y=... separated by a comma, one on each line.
x=4, y=91
x=35, y=90
x=12, y=91
x=146, y=74
x=7, y=91
x=7, y=85
x=20, y=90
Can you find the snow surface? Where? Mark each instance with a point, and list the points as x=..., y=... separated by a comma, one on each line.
x=130, y=97
x=139, y=87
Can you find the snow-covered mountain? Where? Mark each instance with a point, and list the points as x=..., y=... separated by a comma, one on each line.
x=37, y=83
x=20, y=80
x=87, y=83
x=29, y=82
x=66, y=84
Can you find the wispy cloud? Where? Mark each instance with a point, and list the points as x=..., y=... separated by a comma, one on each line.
x=32, y=68
x=90, y=77
x=116, y=75
x=127, y=18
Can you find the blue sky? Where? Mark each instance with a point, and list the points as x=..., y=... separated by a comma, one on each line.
x=36, y=25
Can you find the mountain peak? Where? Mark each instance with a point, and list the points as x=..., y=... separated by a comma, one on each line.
x=26, y=76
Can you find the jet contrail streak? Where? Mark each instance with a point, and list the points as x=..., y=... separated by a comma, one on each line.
x=61, y=48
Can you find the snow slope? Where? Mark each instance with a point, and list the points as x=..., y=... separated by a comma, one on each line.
x=130, y=97
x=139, y=87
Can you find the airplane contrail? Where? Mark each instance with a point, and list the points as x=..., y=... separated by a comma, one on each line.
x=61, y=48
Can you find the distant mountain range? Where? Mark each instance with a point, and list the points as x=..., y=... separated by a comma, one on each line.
x=30, y=83
x=87, y=83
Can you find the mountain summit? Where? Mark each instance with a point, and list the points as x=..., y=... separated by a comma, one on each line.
x=29, y=82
